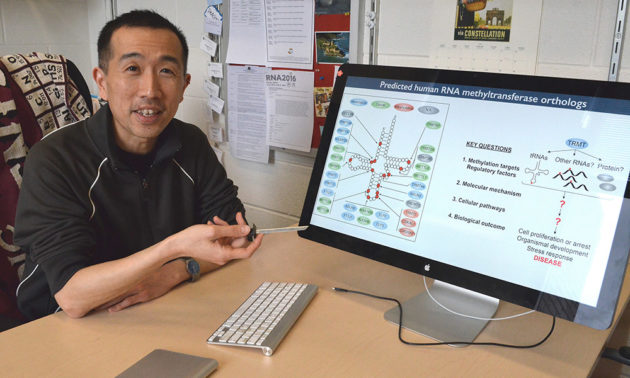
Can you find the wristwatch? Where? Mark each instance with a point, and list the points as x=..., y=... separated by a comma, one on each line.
x=192, y=267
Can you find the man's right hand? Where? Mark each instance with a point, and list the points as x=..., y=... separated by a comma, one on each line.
x=214, y=243
x=234, y=242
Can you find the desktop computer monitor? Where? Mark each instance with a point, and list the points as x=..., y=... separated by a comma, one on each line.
x=511, y=186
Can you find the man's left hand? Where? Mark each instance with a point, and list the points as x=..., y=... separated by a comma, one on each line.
x=154, y=286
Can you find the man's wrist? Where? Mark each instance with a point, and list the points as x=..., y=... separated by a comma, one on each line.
x=178, y=270
x=171, y=248
x=192, y=268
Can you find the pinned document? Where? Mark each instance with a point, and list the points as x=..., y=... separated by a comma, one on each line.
x=216, y=104
x=247, y=44
x=247, y=121
x=213, y=20
x=208, y=46
x=210, y=88
x=290, y=109
x=216, y=134
x=289, y=33
x=215, y=70
x=273, y=33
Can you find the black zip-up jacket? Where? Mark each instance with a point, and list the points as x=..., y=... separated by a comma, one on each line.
x=80, y=205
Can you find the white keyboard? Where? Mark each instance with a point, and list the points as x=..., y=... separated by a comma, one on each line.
x=265, y=317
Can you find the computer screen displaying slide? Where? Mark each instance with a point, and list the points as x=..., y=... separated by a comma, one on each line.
x=507, y=185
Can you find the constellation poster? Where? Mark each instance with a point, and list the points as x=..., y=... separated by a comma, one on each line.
x=486, y=35
x=483, y=20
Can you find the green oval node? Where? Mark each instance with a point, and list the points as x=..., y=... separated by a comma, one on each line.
x=423, y=167
x=433, y=125
x=420, y=176
x=366, y=211
x=323, y=209
x=380, y=104
x=427, y=148
x=325, y=201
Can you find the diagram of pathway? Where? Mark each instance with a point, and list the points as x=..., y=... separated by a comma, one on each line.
x=378, y=171
x=575, y=173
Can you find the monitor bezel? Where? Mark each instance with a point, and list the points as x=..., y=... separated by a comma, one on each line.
x=599, y=317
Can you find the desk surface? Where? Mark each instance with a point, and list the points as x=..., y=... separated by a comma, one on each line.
x=340, y=335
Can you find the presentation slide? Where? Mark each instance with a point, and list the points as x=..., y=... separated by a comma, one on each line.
x=521, y=186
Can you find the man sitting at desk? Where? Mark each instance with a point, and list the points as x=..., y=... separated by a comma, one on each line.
x=109, y=205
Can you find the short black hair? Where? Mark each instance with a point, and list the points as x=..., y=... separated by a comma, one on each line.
x=136, y=18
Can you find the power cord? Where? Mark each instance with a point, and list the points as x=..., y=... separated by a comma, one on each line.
x=400, y=316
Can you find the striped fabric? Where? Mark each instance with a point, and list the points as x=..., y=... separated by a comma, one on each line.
x=37, y=97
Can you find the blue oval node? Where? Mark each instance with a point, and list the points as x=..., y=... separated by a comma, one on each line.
x=576, y=143
x=330, y=183
x=347, y=216
x=332, y=175
x=345, y=122
x=417, y=185
x=343, y=131
x=350, y=207
x=382, y=215
x=341, y=140
x=415, y=195
x=380, y=225
x=358, y=102
x=327, y=192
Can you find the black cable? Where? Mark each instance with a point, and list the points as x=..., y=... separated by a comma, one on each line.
x=553, y=325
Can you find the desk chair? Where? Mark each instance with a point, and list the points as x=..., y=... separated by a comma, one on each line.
x=39, y=93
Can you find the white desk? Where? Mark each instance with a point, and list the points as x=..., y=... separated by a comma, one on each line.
x=339, y=335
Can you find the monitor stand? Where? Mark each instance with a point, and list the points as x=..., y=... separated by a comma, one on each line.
x=422, y=315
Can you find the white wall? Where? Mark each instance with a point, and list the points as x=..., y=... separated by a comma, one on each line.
x=575, y=41
x=53, y=26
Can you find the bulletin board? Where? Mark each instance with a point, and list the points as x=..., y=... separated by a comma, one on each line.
x=331, y=44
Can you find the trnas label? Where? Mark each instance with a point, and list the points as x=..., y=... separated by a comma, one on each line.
x=577, y=143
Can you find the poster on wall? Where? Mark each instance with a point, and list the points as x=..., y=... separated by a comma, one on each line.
x=331, y=49
x=332, y=7
x=322, y=100
x=486, y=35
x=483, y=20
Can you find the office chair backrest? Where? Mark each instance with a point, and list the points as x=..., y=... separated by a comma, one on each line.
x=39, y=93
